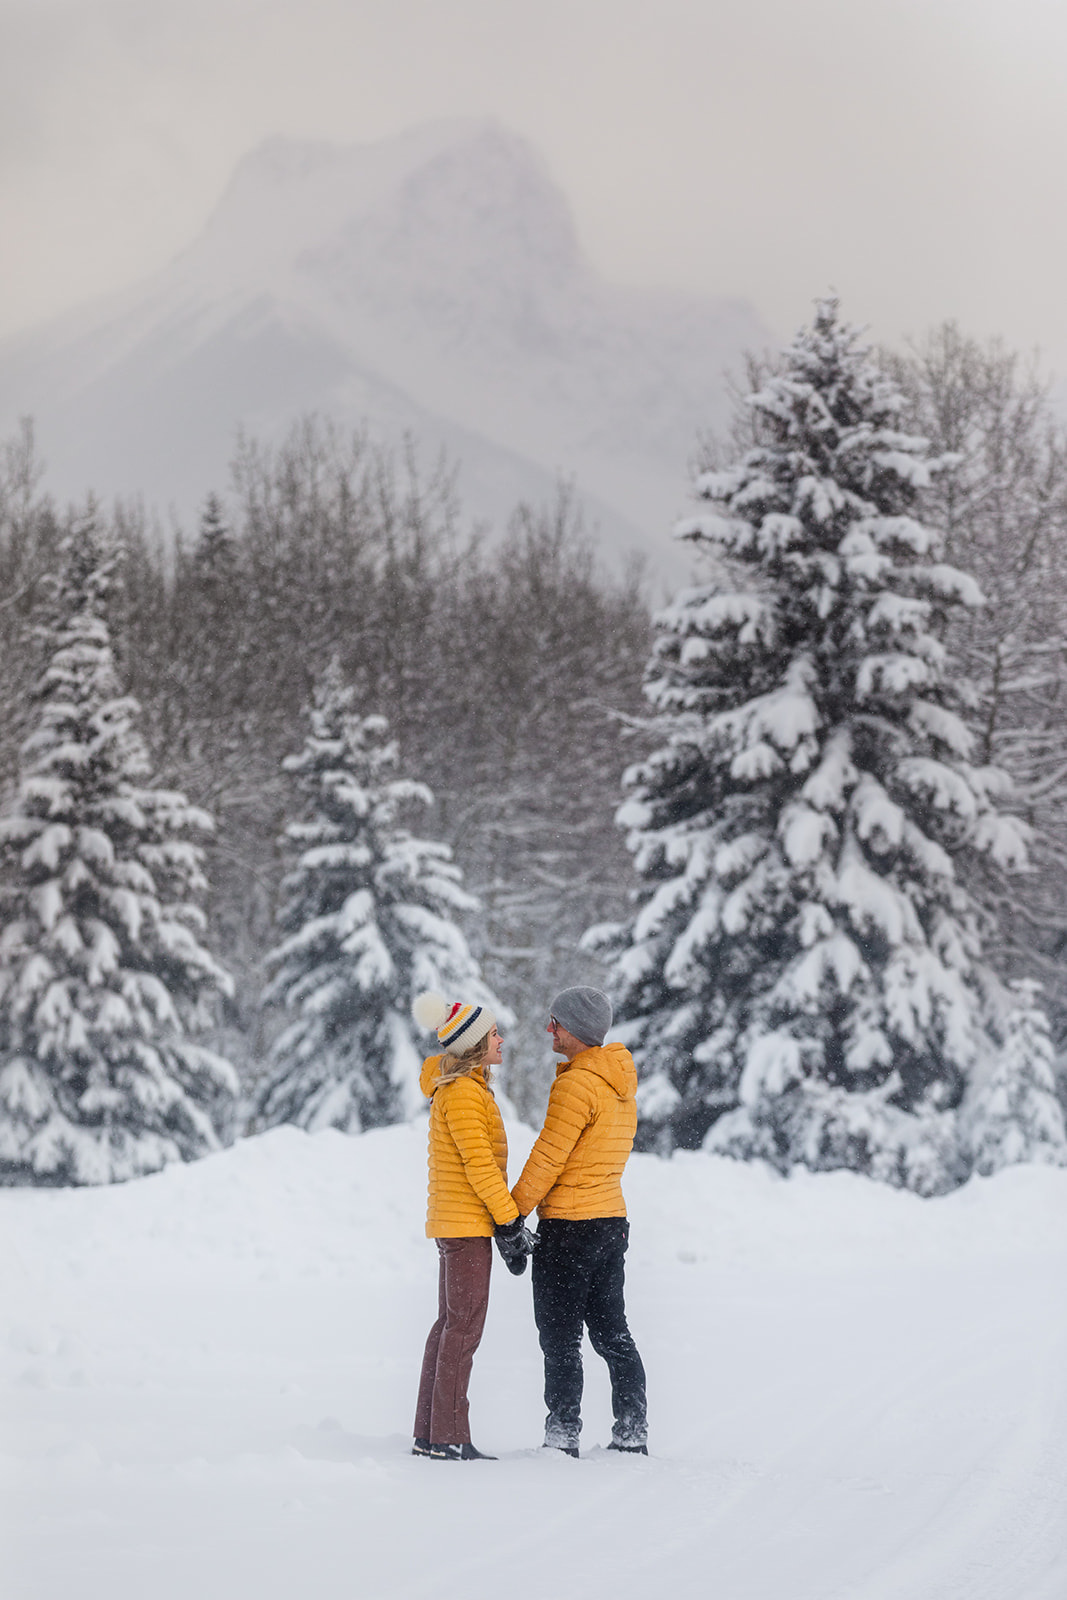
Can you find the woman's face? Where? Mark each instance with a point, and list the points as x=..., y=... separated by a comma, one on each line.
x=496, y=1045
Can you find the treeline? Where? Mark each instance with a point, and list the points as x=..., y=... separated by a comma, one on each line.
x=509, y=664
x=507, y=669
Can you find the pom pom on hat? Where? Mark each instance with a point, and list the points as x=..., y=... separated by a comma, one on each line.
x=459, y=1025
x=430, y=1009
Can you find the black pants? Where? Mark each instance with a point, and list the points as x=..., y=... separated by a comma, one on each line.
x=578, y=1271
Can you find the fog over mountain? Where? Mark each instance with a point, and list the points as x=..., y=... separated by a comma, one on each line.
x=432, y=283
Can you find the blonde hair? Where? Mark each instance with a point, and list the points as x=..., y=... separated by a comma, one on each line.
x=466, y=1065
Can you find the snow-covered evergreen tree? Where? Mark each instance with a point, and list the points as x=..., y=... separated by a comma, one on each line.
x=104, y=983
x=804, y=980
x=369, y=921
x=1015, y=1115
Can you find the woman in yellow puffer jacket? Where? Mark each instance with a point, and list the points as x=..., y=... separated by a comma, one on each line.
x=469, y=1203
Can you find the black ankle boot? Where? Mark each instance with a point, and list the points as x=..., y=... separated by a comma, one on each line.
x=457, y=1452
x=421, y=1447
x=629, y=1449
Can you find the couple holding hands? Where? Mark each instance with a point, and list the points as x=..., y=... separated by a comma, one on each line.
x=572, y=1178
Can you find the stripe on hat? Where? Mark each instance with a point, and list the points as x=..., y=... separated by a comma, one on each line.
x=462, y=1018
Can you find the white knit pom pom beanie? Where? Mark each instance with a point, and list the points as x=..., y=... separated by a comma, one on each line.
x=459, y=1025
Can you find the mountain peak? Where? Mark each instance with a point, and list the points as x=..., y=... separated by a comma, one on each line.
x=448, y=192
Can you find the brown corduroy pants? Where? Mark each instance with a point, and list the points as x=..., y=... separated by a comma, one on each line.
x=462, y=1301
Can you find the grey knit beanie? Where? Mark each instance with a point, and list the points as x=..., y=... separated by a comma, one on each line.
x=584, y=1012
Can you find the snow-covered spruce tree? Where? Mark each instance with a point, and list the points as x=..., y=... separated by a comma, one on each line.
x=804, y=975
x=369, y=921
x=104, y=983
x=1015, y=1116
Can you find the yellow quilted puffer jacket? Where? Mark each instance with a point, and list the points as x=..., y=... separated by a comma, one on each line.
x=575, y=1167
x=468, y=1158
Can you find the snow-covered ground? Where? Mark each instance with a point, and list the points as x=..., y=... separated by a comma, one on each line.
x=207, y=1382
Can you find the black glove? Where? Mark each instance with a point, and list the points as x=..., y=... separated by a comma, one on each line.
x=515, y=1242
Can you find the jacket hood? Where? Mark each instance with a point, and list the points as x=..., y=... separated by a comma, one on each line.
x=612, y=1062
x=428, y=1076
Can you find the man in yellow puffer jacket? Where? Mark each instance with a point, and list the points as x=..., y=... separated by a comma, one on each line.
x=573, y=1179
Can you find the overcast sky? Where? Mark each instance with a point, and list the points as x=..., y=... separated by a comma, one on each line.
x=911, y=154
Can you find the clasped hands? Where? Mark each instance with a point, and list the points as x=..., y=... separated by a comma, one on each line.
x=515, y=1242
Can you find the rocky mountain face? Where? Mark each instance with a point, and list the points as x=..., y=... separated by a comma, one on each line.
x=431, y=284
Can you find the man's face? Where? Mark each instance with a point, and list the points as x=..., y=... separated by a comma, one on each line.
x=564, y=1043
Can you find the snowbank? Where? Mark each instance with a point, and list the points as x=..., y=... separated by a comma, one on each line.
x=207, y=1380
